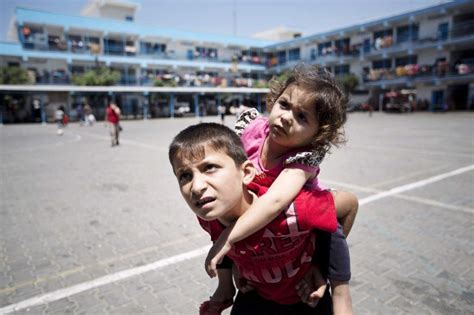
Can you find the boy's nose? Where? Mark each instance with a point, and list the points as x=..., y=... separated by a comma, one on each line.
x=198, y=186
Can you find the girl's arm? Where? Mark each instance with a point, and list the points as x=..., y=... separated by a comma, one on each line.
x=266, y=208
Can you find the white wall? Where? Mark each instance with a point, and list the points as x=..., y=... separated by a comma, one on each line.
x=429, y=28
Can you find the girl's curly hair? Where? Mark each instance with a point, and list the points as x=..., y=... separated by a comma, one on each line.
x=329, y=102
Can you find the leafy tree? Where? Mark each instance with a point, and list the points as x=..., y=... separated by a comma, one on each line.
x=261, y=84
x=98, y=77
x=349, y=83
x=14, y=75
x=167, y=83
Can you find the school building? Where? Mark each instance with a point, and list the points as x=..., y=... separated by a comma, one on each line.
x=421, y=60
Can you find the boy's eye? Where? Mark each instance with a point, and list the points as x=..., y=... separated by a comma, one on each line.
x=183, y=178
x=210, y=167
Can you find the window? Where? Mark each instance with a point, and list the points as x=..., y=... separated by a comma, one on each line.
x=407, y=60
x=313, y=54
x=148, y=48
x=382, y=64
x=281, y=57
x=294, y=54
x=407, y=33
x=324, y=48
x=341, y=70
x=342, y=46
x=205, y=52
x=443, y=30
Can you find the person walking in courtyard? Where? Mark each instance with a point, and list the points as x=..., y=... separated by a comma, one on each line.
x=221, y=112
x=59, y=116
x=113, y=119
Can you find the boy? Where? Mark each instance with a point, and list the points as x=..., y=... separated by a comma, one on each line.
x=216, y=181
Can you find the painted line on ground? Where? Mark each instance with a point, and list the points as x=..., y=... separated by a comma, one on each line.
x=121, y=275
x=411, y=186
x=410, y=150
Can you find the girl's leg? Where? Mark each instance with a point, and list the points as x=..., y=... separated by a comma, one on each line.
x=346, y=204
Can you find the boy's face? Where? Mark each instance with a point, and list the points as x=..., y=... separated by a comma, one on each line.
x=293, y=121
x=212, y=186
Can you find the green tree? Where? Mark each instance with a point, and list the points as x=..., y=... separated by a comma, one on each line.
x=349, y=83
x=166, y=83
x=14, y=75
x=98, y=77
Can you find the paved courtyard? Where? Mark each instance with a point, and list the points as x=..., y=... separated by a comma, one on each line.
x=90, y=229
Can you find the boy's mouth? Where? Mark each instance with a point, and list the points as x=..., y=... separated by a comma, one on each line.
x=203, y=201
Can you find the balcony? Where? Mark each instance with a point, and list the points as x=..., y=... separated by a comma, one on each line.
x=414, y=73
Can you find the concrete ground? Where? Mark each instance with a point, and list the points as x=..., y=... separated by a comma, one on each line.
x=90, y=229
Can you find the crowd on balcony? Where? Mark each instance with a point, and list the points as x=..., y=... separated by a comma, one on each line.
x=199, y=79
x=441, y=68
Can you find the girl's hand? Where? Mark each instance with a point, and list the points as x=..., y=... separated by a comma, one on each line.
x=312, y=287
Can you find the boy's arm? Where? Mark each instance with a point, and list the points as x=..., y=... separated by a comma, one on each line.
x=266, y=208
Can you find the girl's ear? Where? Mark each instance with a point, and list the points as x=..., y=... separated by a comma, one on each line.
x=248, y=172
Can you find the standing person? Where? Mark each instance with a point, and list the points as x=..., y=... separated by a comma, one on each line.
x=307, y=114
x=218, y=183
x=221, y=111
x=80, y=114
x=113, y=119
x=59, y=116
x=89, y=117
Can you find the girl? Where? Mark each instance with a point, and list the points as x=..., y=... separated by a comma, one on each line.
x=307, y=112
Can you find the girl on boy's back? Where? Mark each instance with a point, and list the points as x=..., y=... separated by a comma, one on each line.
x=307, y=113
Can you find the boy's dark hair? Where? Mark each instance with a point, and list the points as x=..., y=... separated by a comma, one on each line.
x=329, y=102
x=191, y=142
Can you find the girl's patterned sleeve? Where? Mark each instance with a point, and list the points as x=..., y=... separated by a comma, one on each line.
x=244, y=120
x=308, y=158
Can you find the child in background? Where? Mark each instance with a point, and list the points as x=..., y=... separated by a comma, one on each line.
x=217, y=181
x=307, y=113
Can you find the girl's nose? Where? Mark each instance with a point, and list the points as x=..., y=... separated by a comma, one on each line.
x=286, y=119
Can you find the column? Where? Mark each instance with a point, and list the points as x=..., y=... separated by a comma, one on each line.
x=146, y=98
x=171, y=104
x=196, y=104
x=43, y=111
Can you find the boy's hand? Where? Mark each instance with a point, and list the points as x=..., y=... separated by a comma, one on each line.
x=217, y=252
x=312, y=287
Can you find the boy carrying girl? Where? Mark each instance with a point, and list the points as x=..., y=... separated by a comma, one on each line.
x=218, y=183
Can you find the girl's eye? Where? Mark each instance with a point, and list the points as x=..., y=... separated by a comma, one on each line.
x=302, y=117
x=283, y=104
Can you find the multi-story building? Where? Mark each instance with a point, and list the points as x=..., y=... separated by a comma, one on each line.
x=422, y=59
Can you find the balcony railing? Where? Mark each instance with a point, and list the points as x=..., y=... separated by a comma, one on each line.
x=415, y=71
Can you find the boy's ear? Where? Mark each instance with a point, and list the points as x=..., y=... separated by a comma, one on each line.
x=248, y=172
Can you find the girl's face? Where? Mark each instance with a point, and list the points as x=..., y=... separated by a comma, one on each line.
x=292, y=121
